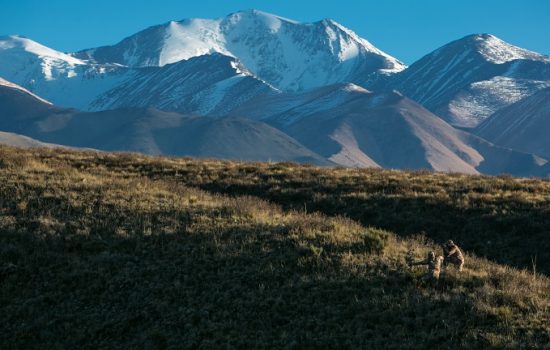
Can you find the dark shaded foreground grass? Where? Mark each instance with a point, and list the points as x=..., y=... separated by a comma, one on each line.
x=94, y=257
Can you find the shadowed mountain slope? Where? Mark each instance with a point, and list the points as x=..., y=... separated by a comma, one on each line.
x=523, y=125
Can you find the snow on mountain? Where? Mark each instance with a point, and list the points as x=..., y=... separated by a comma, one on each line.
x=498, y=51
x=52, y=64
x=289, y=55
x=55, y=76
x=481, y=99
x=467, y=80
x=206, y=85
x=19, y=106
x=7, y=84
x=523, y=125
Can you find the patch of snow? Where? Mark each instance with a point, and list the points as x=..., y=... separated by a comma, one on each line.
x=11, y=85
x=80, y=90
x=354, y=88
x=15, y=42
x=191, y=38
x=60, y=78
x=484, y=98
x=209, y=99
x=497, y=51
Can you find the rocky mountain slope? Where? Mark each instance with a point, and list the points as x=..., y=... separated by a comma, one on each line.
x=339, y=124
x=210, y=84
x=151, y=131
x=523, y=125
x=469, y=79
x=355, y=127
x=19, y=107
x=145, y=130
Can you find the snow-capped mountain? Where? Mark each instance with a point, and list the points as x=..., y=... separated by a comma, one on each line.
x=463, y=82
x=56, y=76
x=523, y=125
x=266, y=50
x=206, y=85
x=23, y=58
x=467, y=80
x=289, y=55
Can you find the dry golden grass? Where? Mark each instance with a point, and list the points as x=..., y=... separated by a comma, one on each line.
x=105, y=250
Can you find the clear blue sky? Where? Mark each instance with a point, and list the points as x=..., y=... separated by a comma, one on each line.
x=406, y=29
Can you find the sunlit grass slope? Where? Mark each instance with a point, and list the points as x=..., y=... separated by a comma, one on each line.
x=103, y=251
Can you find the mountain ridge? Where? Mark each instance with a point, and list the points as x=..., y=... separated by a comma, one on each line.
x=464, y=81
x=244, y=35
x=145, y=130
x=208, y=84
x=468, y=79
x=389, y=130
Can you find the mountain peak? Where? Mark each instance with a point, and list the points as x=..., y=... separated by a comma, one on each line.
x=480, y=37
x=24, y=44
x=496, y=50
x=287, y=54
x=467, y=80
x=260, y=14
x=254, y=19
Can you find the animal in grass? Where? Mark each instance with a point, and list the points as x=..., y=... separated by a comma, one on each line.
x=434, y=267
x=453, y=255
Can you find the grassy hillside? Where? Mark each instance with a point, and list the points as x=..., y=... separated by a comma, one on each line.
x=121, y=251
x=502, y=218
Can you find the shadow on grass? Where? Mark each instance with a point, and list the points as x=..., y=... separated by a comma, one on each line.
x=233, y=288
x=509, y=231
x=511, y=238
x=199, y=274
